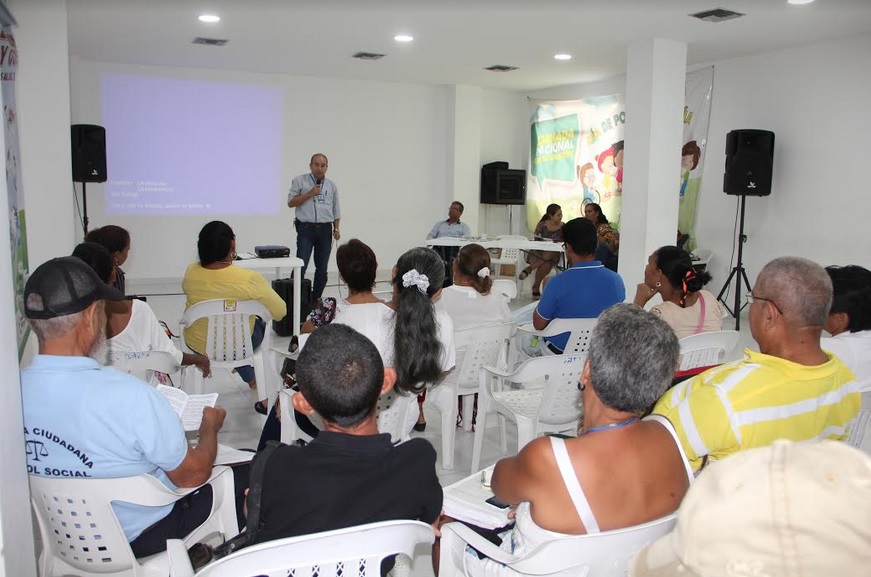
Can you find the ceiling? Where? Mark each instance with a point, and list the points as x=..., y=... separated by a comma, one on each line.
x=453, y=39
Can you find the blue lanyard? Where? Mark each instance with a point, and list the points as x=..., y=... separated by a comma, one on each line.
x=625, y=423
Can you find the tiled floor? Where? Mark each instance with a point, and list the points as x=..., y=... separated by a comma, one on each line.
x=242, y=427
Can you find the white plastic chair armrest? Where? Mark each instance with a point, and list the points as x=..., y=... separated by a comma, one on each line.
x=179, y=562
x=481, y=544
x=498, y=372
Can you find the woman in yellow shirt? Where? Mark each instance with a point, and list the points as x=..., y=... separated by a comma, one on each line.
x=215, y=277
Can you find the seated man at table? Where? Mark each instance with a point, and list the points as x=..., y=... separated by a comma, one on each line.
x=93, y=421
x=349, y=474
x=582, y=291
x=452, y=227
x=791, y=389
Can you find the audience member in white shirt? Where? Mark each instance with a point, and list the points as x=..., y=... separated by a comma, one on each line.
x=849, y=322
x=469, y=301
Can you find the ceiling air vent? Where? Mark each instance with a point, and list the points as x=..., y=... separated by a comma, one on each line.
x=716, y=15
x=210, y=41
x=368, y=56
x=500, y=68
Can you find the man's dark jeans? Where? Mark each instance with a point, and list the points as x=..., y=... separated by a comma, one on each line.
x=317, y=236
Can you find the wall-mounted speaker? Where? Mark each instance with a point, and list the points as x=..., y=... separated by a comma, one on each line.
x=749, y=162
x=88, y=152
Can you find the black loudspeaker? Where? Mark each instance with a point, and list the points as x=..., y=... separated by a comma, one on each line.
x=88, y=152
x=503, y=186
x=749, y=162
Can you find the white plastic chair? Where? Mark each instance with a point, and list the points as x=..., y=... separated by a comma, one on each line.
x=706, y=349
x=605, y=554
x=860, y=427
x=479, y=346
x=354, y=551
x=394, y=416
x=228, y=340
x=143, y=364
x=506, y=287
x=551, y=408
x=82, y=536
x=579, y=331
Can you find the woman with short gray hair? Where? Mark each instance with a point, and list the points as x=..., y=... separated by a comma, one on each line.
x=621, y=470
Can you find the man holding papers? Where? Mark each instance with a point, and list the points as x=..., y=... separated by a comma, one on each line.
x=83, y=420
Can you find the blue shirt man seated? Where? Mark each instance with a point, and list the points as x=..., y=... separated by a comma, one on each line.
x=452, y=227
x=84, y=420
x=350, y=474
x=582, y=291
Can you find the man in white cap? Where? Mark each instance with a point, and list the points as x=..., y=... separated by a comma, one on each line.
x=791, y=389
x=786, y=510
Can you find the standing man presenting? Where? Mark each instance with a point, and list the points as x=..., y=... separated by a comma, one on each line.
x=316, y=201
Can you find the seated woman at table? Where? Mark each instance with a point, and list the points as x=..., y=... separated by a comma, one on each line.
x=131, y=326
x=686, y=307
x=609, y=238
x=470, y=301
x=621, y=470
x=215, y=277
x=550, y=227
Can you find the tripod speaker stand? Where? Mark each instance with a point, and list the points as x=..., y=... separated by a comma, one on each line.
x=738, y=274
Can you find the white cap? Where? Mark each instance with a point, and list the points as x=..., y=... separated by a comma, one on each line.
x=786, y=510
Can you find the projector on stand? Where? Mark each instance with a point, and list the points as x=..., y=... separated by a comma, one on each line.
x=271, y=251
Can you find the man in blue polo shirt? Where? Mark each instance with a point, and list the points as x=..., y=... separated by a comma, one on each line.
x=583, y=291
x=83, y=420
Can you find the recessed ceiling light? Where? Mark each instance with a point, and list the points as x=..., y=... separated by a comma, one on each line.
x=210, y=18
x=562, y=56
x=799, y=1
x=403, y=38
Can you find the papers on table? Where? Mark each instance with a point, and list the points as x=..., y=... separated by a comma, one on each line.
x=465, y=500
x=245, y=255
x=188, y=407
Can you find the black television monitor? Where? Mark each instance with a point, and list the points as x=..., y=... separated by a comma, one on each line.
x=503, y=186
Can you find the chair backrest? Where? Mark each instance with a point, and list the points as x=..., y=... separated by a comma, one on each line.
x=706, y=349
x=506, y=287
x=78, y=526
x=143, y=364
x=355, y=551
x=483, y=346
x=228, y=337
x=395, y=415
x=580, y=331
x=605, y=554
x=562, y=399
x=860, y=427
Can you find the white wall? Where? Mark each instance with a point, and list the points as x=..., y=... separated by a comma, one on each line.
x=504, y=136
x=814, y=98
x=390, y=153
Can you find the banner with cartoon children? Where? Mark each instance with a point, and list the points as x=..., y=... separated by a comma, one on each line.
x=696, y=114
x=576, y=158
x=15, y=197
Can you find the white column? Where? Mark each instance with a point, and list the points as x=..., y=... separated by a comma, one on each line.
x=655, y=85
x=466, y=139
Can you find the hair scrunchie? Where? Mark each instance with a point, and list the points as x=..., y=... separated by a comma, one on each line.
x=414, y=278
x=690, y=275
x=484, y=272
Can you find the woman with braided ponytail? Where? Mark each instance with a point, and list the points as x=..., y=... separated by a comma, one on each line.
x=685, y=306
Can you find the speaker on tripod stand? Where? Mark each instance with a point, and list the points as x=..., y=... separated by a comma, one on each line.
x=749, y=164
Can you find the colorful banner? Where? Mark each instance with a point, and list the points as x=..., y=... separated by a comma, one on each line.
x=15, y=196
x=696, y=114
x=576, y=155
x=576, y=158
